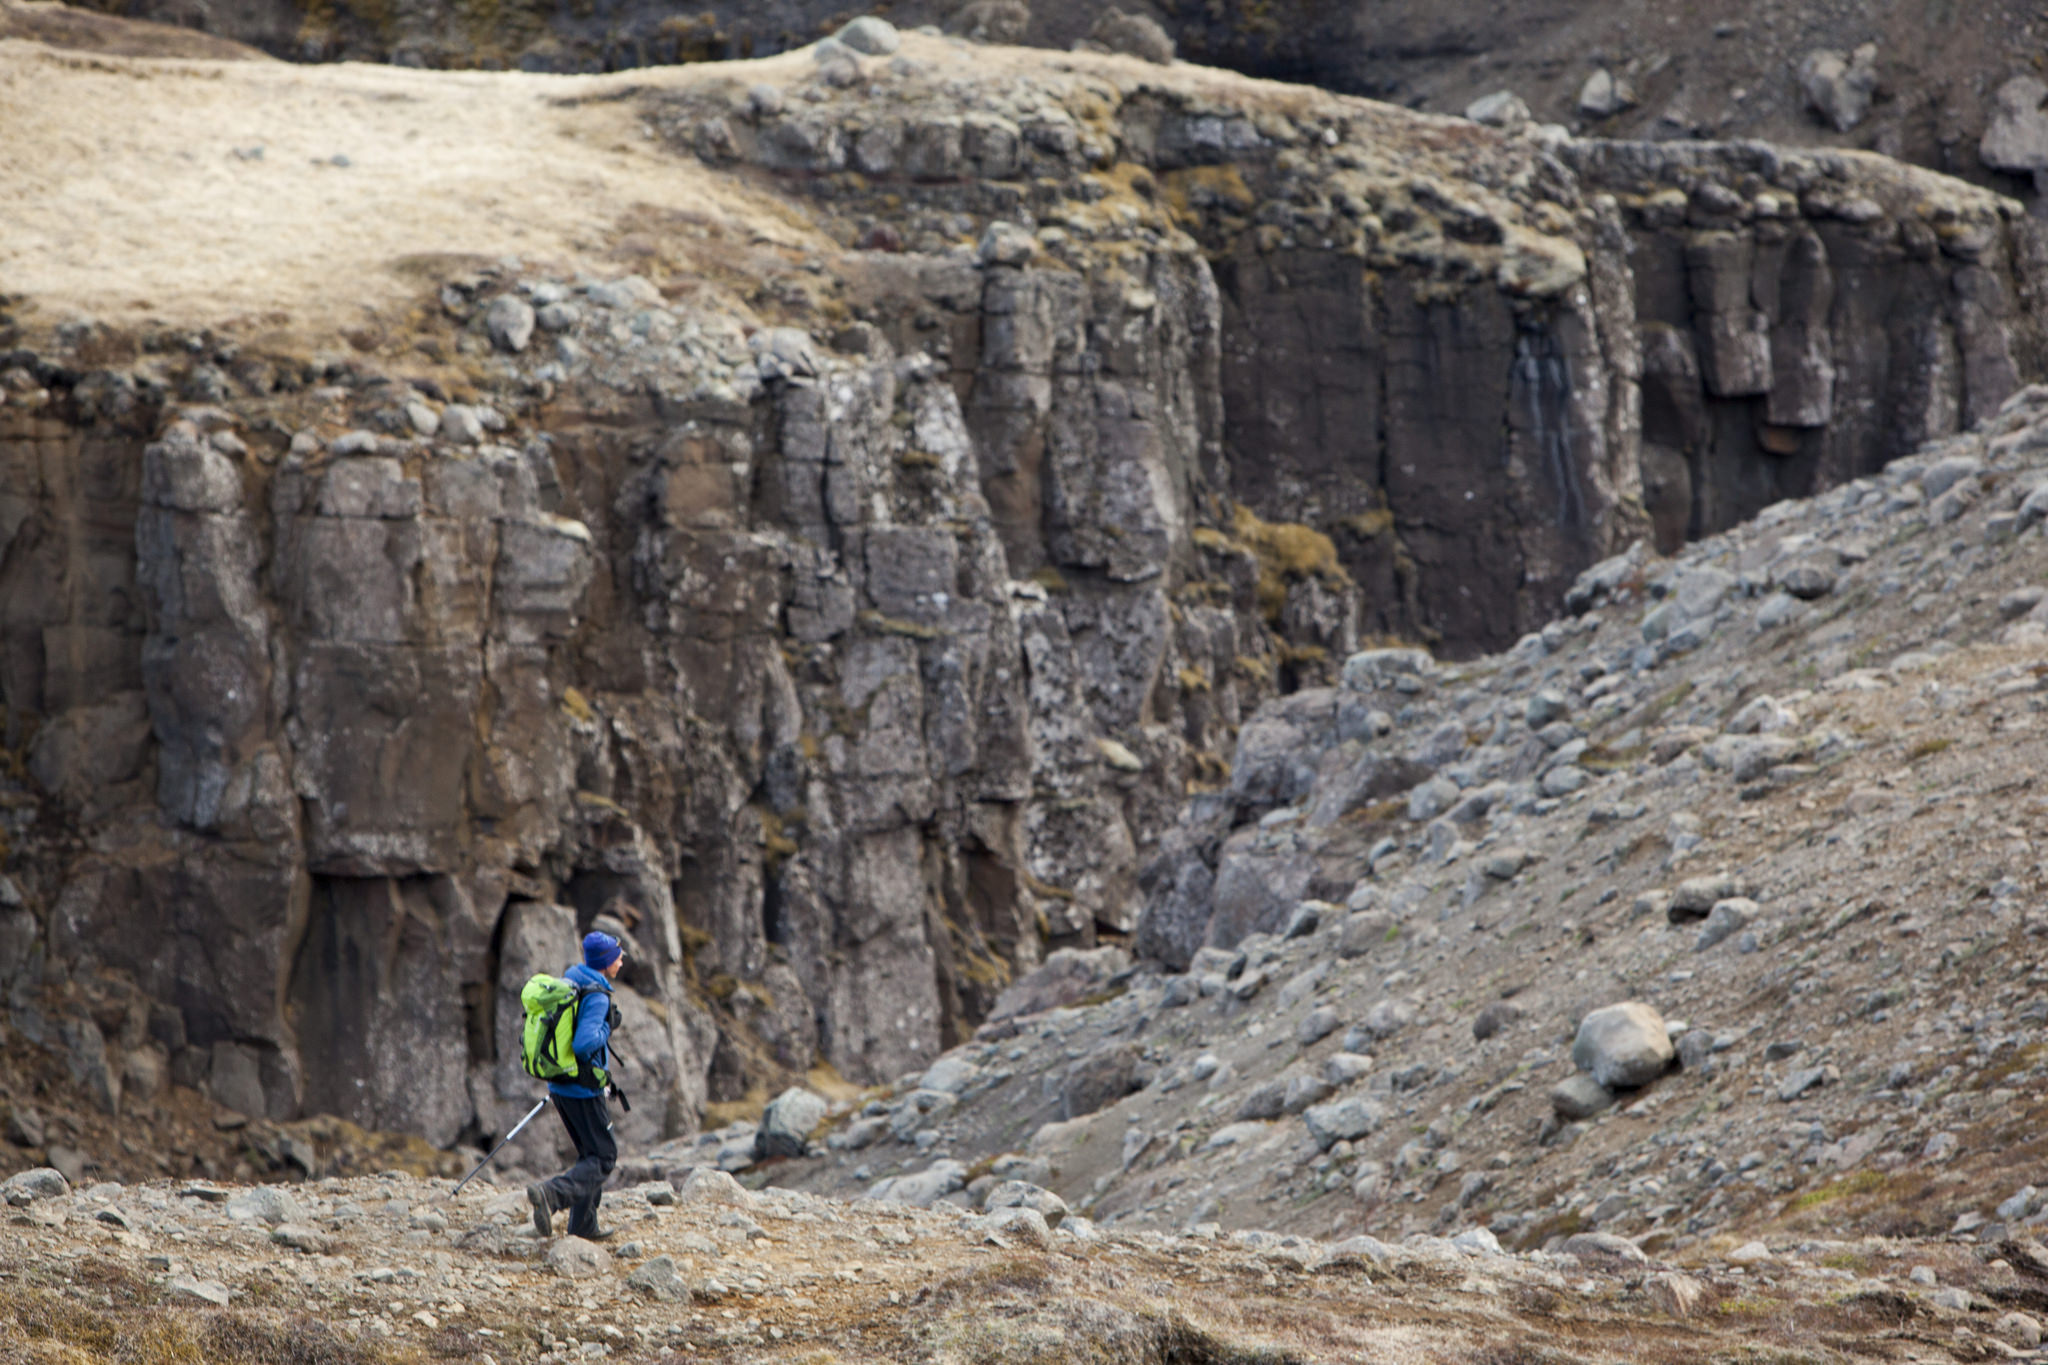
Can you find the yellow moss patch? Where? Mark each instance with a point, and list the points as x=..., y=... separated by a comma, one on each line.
x=1050, y=579
x=1370, y=525
x=746, y=1109
x=1861, y=1182
x=892, y=625
x=577, y=707
x=1045, y=889
x=1192, y=193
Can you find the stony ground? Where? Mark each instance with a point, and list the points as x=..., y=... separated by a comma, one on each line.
x=1804, y=829
x=389, y=1269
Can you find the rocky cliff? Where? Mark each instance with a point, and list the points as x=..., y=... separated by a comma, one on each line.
x=833, y=558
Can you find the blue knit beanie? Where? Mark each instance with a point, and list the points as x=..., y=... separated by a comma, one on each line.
x=600, y=950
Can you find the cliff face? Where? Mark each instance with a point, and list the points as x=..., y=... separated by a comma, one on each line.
x=853, y=637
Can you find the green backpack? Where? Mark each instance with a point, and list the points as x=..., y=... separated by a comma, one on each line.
x=547, y=1045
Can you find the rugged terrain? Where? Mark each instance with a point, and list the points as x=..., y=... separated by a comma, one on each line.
x=387, y=1269
x=1229, y=723
x=1779, y=788
x=830, y=537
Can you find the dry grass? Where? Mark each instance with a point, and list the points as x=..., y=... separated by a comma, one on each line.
x=151, y=1334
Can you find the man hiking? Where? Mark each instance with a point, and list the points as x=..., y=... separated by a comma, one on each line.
x=580, y=1099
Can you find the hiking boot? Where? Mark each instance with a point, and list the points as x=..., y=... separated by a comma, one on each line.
x=596, y=1235
x=543, y=1210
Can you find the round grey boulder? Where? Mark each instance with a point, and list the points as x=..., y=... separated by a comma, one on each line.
x=788, y=1122
x=871, y=36
x=1623, y=1046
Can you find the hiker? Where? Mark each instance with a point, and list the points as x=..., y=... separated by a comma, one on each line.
x=580, y=1099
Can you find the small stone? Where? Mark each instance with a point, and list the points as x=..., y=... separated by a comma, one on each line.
x=509, y=320
x=1839, y=87
x=1603, y=1246
x=1955, y=1300
x=871, y=36
x=575, y=1259
x=302, y=1237
x=27, y=1187
x=269, y=1204
x=1676, y=1295
x=2016, y=139
x=1316, y=1025
x=1019, y=1224
x=1006, y=244
x=2018, y=1329
x=461, y=424
x=1011, y=1194
x=1799, y=1082
x=206, y=1291
x=2019, y=602
x=1267, y=1101
x=1343, y=1068
x=1726, y=919
x=707, y=1186
x=1697, y=896
x=1364, y=931
x=1545, y=706
x=1387, y=1018
x=2022, y=1203
x=1341, y=1120
x=24, y=1126
x=1604, y=95
x=1501, y=109
x=1303, y=1091
x=1496, y=1018
x=1306, y=918
x=1749, y=1253
x=1505, y=864
x=1579, y=1097
x=659, y=1278
x=1922, y=1275
x=1807, y=582
x=1477, y=1242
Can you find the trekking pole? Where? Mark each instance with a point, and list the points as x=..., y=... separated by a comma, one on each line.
x=618, y=1036
x=500, y=1147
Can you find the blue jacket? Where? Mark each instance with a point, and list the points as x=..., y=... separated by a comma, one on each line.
x=593, y=1036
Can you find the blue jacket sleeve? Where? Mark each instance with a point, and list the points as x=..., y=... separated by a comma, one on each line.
x=593, y=1029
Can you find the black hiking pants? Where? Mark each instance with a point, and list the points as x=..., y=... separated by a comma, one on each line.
x=581, y=1187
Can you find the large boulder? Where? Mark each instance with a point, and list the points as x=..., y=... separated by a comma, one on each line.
x=1098, y=1080
x=2016, y=140
x=1623, y=1046
x=787, y=1123
x=923, y=1188
x=1066, y=975
x=1838, y=86
x=1135, y=35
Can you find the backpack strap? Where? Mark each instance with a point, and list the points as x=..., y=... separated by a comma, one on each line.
x=586, y=1074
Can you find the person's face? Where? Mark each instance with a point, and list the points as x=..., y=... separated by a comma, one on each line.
x=618, y=964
